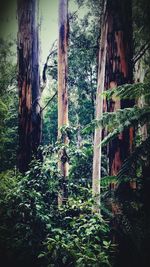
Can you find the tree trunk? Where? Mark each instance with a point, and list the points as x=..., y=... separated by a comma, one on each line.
x=139, y=77
x=28, y=83
x=36, y=90
x=115, y=69
x=96, y=175
x=119, y=71
x=62, y=94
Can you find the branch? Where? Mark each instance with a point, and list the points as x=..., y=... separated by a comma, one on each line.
x=49, y=101
x=52, y=51
x=140, y=53
x=73, y=14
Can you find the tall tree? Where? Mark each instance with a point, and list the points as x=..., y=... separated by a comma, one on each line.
x=115, y=68
x=119, y=71
x=96, y=177
x=28, y=82
x=62, y=93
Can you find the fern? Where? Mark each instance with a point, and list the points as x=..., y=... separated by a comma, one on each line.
x=140, y=156
x=131, y=202
x=123, y=119
x=129, y=91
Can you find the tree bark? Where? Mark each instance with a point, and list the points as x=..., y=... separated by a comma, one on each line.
x=119, y=71
x=115, y=68
x=28, y=83
x=96, y=175
x=62, y=94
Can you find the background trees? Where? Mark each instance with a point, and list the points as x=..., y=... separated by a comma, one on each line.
x=8, y=107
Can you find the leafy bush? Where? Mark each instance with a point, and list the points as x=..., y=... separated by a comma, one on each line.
x=32, y=224
x=80, y=238
x=26, y=210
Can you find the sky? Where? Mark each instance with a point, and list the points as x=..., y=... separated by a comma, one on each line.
x=48, y=16
x=49, y=25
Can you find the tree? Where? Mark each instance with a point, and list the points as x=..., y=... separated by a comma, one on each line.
x=119, y=71
x=99, y=111
x=62, y=93
x=28, y=83
x=115, y=68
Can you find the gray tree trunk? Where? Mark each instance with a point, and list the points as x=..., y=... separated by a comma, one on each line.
x=96, y=176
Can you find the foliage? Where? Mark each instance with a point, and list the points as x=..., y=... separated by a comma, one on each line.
x=130, y=194
x=26, y=211
x=83, y=68
x=33, y=230
x=8, y=107
x=129, y=91
x=32, y=224
x=80, y=240
x=122, y=119
x=49, y=133
x=7, y=68
x=141, y=36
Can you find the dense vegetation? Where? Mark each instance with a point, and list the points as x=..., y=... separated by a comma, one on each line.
x=34, y=229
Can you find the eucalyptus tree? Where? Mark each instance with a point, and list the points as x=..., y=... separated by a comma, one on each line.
x=62, y=94
x=28, y=82
x=115, y=68
x=119, y=70
x=99, y=111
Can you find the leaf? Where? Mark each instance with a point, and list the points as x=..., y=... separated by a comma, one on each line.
x=41, y=255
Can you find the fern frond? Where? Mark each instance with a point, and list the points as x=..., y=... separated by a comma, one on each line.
x=105, y=181
x=129, y=91
x=123, y=119
x=139, y=156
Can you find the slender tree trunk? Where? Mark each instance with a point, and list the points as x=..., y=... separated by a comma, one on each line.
x=36, y=89
x=139, y=77
x=96, y=176
x=119, y=71
x=28, y=83
x=62, y=93
x=143, y=130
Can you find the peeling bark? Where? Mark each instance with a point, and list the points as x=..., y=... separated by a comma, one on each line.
x=119, y=71
x=115, y=68
x=28, y=83
x=62, y=93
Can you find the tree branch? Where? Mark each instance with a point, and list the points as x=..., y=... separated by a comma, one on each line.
x=52, y=51
x=140, y=53
x=73, y=14
x=48, y=102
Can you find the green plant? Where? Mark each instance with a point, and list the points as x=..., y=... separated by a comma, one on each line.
x=79, y=239
x=130, y=196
